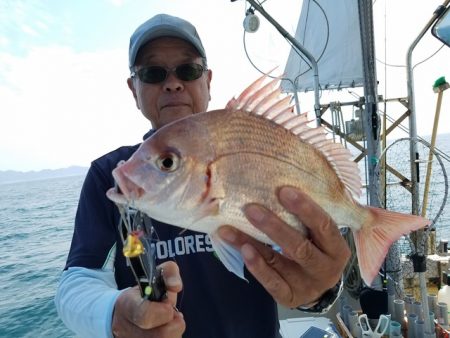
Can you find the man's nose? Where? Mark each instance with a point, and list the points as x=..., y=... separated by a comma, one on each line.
x=172, y=83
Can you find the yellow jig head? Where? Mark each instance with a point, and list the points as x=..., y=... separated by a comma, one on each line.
x=133, y=246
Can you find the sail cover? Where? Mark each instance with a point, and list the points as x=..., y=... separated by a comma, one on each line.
x=330, y=31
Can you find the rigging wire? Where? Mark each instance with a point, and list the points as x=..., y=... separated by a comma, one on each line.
x=437, y=51
x=420, y=247
x=418, y=63
x=402, y=66
x=293, y=83
x=326, y=42
x=422, y=140
x=251, y=61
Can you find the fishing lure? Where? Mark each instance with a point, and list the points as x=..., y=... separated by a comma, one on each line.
x=139, y=238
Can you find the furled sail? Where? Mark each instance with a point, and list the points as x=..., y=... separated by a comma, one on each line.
x=330, y=31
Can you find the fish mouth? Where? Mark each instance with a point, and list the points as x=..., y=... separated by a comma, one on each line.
x=125, y=190
x=114, y=195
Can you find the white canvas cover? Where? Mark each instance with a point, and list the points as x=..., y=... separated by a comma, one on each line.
x=329, y=30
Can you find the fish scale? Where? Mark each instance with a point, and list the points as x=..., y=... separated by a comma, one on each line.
x=266, y=137
x=273, y=141
x=241, y=178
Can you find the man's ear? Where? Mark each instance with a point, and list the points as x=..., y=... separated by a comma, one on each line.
x=130, y=83
x=209, y=83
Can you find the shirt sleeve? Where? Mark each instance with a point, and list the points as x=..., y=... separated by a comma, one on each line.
x=85, y=301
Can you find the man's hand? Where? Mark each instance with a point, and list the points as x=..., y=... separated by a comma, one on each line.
x=134, y=317
x=308, y=266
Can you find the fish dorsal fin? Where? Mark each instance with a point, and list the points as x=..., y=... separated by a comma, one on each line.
x=261, y=98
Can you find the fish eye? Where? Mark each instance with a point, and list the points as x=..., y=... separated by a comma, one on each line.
x=167, y=162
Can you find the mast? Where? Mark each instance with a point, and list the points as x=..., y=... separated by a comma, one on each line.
x=372, y=127
x=371, y=120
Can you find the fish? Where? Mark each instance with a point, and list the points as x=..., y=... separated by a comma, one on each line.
x=200, y=171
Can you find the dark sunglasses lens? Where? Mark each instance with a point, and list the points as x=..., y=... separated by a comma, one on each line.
x=189, y=72
x=154, y=74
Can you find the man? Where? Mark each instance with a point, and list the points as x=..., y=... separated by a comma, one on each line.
x=96, y=298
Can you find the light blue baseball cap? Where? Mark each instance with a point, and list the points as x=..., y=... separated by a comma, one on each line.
x=163, y=25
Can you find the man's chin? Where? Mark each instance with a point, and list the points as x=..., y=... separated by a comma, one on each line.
x=171, y=114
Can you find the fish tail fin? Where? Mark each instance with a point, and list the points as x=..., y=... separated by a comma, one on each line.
x=374, y=238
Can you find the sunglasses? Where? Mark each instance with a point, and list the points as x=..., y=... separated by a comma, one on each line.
x=158, y=74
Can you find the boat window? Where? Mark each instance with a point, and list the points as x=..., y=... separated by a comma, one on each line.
x=441, y=28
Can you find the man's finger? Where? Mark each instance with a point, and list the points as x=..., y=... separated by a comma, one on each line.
x=171, y=275
x=173, y=329
x=323, y=231
x=172, y=280
x=293, y=242
x=141, y=312
x=237, y=239
x=264, y=264
x=270, y=268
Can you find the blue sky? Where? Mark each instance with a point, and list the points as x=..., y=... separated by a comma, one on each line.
x=63, y=68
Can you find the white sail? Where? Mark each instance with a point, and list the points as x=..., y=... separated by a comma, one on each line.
x=330, y=31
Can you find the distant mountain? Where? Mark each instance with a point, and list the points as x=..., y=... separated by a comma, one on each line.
x=10, y=176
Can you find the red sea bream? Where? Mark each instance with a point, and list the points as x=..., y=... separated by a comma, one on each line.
x=198, y=173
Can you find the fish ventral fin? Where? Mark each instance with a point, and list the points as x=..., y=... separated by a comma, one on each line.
x=229, y=256
x=264, y=99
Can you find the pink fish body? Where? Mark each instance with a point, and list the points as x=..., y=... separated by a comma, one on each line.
x=198, y=173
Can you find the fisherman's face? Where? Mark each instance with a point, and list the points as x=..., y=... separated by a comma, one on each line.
x=172, y=98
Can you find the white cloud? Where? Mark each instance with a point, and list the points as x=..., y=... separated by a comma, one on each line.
x=117, y=3
x=4, y=41
x=61, y=108
x=30, y=31
x=42, y=25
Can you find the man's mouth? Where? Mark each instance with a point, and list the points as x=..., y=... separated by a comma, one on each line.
x=173, y=104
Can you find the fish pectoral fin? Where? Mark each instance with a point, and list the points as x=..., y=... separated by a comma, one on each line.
x=228, y=255
x=374, y=239
x=210, y=208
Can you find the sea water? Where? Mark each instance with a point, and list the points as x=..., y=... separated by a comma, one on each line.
x=36, y=226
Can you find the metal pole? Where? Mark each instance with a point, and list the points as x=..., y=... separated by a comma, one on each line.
x=440, y=91
x=412, y=108
x=414, y=154
x=302, y=49
x=371, y=119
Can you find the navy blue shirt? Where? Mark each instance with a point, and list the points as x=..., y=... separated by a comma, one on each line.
x=215, y=302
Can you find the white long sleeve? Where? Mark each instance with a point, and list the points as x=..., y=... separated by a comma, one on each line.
x=85, y=301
